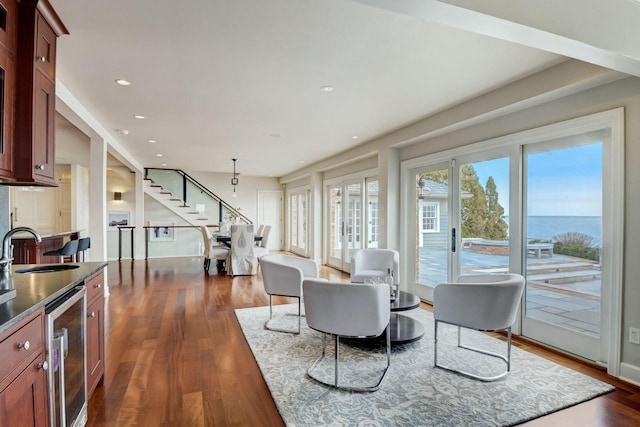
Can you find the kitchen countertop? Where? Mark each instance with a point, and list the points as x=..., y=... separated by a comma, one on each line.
x=35, y=290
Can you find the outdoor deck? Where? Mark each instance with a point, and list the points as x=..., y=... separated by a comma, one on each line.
x=561, y=290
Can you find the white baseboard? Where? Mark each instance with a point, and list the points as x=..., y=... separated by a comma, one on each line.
x=630, y=373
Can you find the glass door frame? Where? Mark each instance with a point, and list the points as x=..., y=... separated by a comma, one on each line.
x=305, y=228
x=344, y=264
x=612, y=215
x=453, y=161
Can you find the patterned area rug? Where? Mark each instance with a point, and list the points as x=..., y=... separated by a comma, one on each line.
x=414, y=392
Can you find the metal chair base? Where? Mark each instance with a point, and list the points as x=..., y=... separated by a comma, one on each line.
x=506, y=359
x=335, y=383
x=288, y=331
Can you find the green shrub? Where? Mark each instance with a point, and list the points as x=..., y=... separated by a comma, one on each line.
x=580, y=251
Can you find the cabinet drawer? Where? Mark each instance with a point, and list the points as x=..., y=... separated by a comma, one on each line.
x=45, y=48
x=95, y=285
x=21, y=345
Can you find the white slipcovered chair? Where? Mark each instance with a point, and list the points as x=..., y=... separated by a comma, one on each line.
x=345, y=310
x=282, y=276
x=372, y=262
x=261, y=247
x=481, y=302
x=212, y=251
x=241, y=260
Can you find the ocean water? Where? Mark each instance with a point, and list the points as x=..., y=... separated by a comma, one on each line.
x=545, y=227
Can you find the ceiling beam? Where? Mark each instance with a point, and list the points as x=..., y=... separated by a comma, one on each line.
x=469, y=20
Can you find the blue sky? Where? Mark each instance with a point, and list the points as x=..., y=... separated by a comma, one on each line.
x=565, y=182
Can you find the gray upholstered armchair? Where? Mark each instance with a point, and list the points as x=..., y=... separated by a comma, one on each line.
x=346, y=310
x=283, y=275
x=481, y=302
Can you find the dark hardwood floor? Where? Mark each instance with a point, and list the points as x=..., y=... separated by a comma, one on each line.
x=175, y=354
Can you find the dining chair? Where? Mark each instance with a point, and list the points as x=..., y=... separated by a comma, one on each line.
x=484, y=302
x=261, y=247
x=211, y=251
x=241, y=259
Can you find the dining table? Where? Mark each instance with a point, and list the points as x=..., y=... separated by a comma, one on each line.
x=226, y=239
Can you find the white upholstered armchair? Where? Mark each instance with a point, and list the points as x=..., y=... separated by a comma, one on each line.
x=283, y=275
x=374, y=262
x=346, y=310
x=481, y=302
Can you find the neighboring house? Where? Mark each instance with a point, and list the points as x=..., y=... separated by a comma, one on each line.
x=433, y=213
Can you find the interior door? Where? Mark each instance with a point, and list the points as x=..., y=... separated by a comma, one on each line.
x=270, y=212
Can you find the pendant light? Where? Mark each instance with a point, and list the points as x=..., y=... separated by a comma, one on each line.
x=234, y=180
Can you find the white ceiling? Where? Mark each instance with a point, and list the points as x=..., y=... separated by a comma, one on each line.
x=216, y=79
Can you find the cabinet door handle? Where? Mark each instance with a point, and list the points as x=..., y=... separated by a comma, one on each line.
x=98, y=286
x=41, y=58
x=40, y=167
x=44, y=365
x=92, y=314
x=24, y=345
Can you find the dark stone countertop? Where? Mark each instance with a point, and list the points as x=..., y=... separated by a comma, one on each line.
x=35, y=290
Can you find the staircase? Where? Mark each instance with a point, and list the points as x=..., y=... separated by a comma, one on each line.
x=181, y=194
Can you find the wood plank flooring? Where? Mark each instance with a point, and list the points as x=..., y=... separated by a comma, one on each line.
x=175, y=354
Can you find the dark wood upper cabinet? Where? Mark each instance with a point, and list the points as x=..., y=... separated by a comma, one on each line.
x=33, y=139
x=8, y=40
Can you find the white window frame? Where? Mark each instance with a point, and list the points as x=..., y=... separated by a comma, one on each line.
x=436, y=218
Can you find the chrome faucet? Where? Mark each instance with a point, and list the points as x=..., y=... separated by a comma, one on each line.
x=7, y=248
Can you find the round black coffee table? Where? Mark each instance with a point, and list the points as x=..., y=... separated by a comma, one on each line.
x=405, y=329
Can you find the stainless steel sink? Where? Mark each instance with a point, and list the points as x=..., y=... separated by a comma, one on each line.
x=48, y=268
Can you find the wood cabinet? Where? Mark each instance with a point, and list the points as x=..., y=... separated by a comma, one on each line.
x=8, y=37
x=23, y=379
x=95, y=331
x=33, y=143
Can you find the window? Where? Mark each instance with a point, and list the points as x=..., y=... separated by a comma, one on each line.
x=430, y=217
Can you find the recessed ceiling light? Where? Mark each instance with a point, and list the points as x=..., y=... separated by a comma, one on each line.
x=153, y=141
x=122, y=131
x=138, y=116
x=159, y=155
x=326, y=88
x=123, y=82
x=276, y=135
x=354, y=137
x=301, y=161
x=163, y=164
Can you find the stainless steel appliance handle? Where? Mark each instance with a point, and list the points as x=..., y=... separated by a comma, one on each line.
x=58, y=343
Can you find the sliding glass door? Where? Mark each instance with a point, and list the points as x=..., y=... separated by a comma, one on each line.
x=545, y=203
x=461, y=213
x=563, y=183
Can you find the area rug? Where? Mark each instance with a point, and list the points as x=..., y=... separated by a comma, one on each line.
x=414, y=392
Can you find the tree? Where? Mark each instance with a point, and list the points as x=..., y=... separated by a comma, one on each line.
x=480, y=209
x=474, y=208
x=496, y=227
